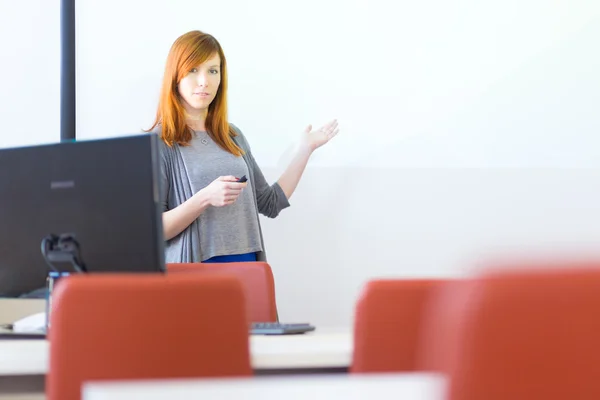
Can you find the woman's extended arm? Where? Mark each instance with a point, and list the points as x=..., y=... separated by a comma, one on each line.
x=311, y=140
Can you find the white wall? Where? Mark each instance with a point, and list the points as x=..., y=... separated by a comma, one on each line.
x=468, y=128
x=351, y=224
x=29, y=72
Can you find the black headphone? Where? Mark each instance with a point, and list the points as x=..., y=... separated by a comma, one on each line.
x=62, y=248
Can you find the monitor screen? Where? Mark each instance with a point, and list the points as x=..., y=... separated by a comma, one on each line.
x=102, y=192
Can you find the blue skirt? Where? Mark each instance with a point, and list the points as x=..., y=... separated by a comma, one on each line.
x=232, y=258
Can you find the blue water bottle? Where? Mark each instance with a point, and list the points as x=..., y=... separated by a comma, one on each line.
x=51, y=281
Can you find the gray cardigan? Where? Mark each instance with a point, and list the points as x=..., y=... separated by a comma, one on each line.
x=176, y=189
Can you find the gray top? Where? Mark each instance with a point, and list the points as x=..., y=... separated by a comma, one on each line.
x=204, y=237
x=232, y=229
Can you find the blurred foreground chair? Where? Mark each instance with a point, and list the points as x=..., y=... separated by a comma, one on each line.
x=138, y=326
x=530, y=334
x=387, y=324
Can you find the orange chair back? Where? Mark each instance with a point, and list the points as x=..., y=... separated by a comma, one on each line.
x=257, y=281
x=137, y=326
x=387, y=324
x=528, y=335
x=436, y=348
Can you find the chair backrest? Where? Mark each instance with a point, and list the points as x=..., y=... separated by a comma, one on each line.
x=436, y=349
x=527, y=335
x=257, y=281
x=387, y=324
x=138, y=326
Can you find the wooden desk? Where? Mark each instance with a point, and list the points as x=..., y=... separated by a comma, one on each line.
x=24, y=363
x=322, y=349
x=326, y=387
x=14, y=309
x=23, y=357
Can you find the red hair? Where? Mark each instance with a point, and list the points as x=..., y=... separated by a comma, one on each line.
x=187, y=52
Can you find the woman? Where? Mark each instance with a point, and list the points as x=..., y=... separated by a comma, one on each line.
x=208, y=216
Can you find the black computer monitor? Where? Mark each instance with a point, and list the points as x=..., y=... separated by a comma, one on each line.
x=104, y=192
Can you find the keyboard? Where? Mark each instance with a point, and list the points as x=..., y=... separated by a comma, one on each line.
x=278, y=328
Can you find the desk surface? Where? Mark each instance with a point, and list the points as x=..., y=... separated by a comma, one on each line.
x=323, y=348
x=347, y=387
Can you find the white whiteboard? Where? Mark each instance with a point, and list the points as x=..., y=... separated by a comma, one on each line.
x=431, y=83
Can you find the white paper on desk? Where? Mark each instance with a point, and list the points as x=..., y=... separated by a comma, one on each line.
x=31, y=323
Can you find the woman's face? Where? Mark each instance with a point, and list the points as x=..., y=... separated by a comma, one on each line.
x=199, y=87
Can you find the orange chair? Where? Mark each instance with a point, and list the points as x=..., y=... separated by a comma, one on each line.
x=439, y=326
x=257, y=281
x=526, y=335
x=137, y=326
x=387, y=324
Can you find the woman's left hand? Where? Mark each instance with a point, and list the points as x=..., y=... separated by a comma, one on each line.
x=317, y=138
